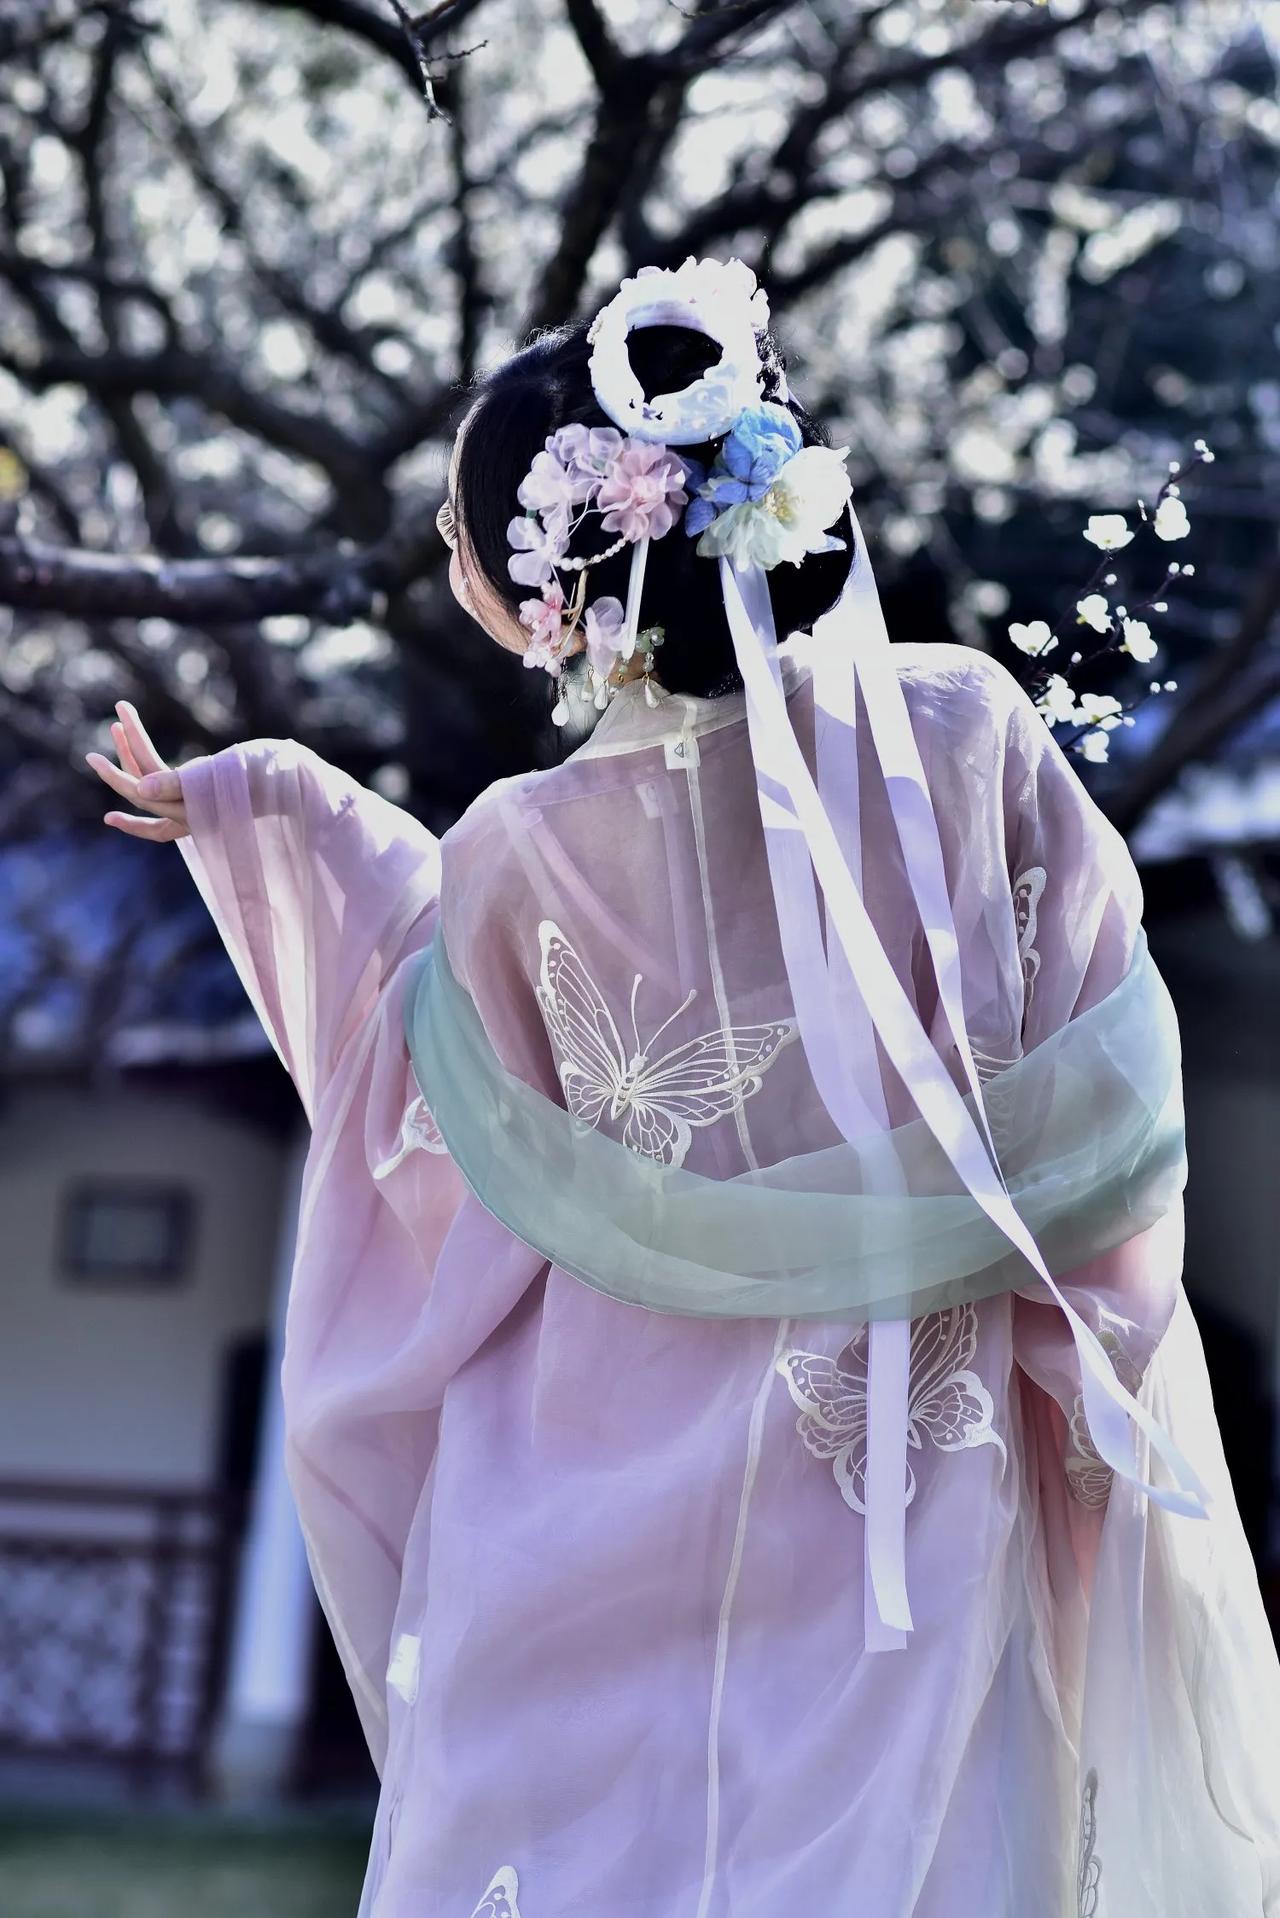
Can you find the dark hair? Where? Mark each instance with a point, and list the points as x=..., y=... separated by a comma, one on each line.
x=547, y=386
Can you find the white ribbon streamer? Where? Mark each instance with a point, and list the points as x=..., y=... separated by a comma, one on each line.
x=635, y=593
x=836, y=1061
x=786, y=786
x=886, y=1605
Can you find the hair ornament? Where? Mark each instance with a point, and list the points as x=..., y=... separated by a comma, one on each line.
x=766, y=497
x=719, y=298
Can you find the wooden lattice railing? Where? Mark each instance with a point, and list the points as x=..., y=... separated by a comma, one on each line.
x=114, y=1614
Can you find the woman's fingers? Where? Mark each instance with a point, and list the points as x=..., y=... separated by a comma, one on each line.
x=166, y=799
x=138, y=828
x=140, y=764
x=124, y=751
x=149, y=760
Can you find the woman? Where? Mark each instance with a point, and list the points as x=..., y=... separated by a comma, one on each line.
x=713, y=1513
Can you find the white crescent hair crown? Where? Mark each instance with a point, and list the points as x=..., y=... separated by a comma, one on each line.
x=717, y=297
x=766, y=497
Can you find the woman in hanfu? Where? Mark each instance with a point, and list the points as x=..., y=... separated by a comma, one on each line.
x=754, y=1450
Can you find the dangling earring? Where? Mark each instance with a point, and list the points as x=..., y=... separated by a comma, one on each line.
x=651, y=637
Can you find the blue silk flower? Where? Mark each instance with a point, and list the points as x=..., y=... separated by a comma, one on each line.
x=753, y=453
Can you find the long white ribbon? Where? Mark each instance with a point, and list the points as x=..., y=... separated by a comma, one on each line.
x=838, y=1068
x=790, y=800
x=886, y=1606
x=635, y=593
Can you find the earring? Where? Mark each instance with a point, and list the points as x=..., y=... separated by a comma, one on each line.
x=648, y=640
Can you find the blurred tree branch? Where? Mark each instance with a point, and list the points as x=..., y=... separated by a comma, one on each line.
x=336, y=585
x=246, y=288
x=1237, y=684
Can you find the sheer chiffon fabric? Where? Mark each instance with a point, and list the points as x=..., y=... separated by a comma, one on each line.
x=594, y=1568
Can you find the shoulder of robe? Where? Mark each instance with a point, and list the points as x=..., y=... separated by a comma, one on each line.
x=485, y=854
x=960, y=690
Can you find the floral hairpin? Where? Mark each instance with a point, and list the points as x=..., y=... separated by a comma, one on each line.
x=767, y=498
x=637, y=488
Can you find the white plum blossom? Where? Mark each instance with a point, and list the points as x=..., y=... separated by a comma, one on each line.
x=1035, y=637
x=1094, y=611
x=1108, y=531
x=1171, y=520
x=1057, y=703
x=1094, y=747
x=1100, y=709
x=1137, y=641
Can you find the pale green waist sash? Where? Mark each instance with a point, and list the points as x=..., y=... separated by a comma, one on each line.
x=1088, y=1128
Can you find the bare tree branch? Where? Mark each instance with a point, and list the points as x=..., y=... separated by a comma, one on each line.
x=594, y=198
x=195, y=376
x=21, y=270
x=29, y=26
x=91, y=142
x=374, y=27
x=599, y=48
x=1238, y=684
x=336, y=585
x=417, y=47
x=713, y=34
x=472, y=300
x=325, y=323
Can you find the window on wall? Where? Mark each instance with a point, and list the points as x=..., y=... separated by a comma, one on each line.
x=126, y=1233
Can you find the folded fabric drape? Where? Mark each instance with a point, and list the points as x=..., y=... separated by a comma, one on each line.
x=1088, y=1127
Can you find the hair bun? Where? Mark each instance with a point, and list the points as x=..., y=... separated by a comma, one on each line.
x=547, y=386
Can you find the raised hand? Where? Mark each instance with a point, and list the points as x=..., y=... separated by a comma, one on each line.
x=143, y=779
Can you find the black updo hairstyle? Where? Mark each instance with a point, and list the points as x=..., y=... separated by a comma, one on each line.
x=547, y=386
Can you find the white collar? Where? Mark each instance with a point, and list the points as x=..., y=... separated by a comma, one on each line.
x=628, y=722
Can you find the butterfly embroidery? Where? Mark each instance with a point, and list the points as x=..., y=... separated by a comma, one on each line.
x=417, y=1129
x=662, y=1099
x=500, y=1899
x=1089, y=1868
x=1028, y=888
x=1088, y=1474
x=947, y=1402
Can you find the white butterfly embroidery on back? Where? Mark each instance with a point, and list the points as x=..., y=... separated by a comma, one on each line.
x=1089, y=1866
x=500, y=1899
x=418, y=1130
x=694, y=1085
x=947, y=1402
x=1088, y=1474
x=1028, y=888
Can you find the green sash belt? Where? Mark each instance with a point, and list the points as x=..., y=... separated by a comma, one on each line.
x=1088, y=1129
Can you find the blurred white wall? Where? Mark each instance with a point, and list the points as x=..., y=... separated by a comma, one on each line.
x=120, y=1382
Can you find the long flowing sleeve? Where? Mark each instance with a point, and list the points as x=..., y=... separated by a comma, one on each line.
x=322, y=892
x=313, y=882
x=1077, y=907
x=1164, y=1661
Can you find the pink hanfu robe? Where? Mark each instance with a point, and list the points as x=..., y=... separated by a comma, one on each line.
x=595, y=1572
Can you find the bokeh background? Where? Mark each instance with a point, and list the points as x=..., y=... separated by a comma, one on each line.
x=1022, y=257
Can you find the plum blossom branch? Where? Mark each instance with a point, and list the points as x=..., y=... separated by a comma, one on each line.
x=1120, y=627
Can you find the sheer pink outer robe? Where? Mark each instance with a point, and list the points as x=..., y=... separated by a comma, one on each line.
x=595, y=1573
